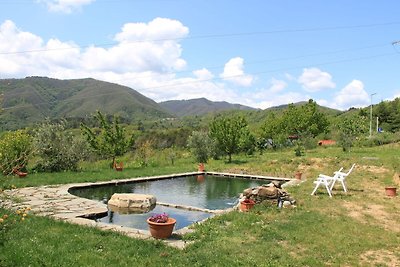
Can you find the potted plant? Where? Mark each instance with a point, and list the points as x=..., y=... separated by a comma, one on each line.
x=201, y=167
x=297, y=175
x=247, y=204
x=119, y=167
x=390, y=191
x=161, y=225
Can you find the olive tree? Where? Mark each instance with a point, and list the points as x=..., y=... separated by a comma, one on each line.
x=57, y=147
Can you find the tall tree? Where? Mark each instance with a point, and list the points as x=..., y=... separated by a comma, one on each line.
x=227, y=132
x=111, y=139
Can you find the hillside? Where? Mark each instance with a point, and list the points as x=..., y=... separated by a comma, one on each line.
x=199, y=106
x=30, y=100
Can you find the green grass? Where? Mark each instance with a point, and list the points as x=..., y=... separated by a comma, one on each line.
x=320, y=231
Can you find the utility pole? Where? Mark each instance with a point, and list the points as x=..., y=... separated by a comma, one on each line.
x=370, y=117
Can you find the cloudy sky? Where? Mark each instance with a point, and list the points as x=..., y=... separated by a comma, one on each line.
x=258, y=53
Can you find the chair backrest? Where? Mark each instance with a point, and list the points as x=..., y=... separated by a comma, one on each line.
x=352, y=167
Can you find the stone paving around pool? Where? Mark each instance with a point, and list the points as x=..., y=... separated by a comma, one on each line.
x=56, y=202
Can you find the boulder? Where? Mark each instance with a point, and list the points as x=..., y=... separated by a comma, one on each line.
x=132, y=203
x=268, y=192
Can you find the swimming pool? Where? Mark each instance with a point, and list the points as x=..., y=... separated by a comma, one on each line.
x=200, y=191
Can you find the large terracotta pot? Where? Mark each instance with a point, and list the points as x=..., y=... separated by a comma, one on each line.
x=390, y=191
x=161, y=230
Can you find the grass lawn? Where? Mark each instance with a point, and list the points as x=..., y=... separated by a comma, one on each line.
x=360, y=228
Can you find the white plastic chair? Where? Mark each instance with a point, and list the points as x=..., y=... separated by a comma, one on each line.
x=326, y=181
x=329, y=181
x=341, y=177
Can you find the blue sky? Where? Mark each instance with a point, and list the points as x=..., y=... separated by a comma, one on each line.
x=256, y=53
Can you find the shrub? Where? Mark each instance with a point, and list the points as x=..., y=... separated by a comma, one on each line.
x=15, y=148
x=58, y=148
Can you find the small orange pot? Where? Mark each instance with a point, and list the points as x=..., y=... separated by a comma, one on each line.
x=247, y=204
x=201, y=167
x=298, y=175
x=22, y=174
x=390, y=191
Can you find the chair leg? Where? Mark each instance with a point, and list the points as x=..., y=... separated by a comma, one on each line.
x=344, y=186
x=327, y=189
x=315, y=189
x=332, y=185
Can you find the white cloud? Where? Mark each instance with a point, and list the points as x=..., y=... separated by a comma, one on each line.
x=277, y=86
x=65, y=6
x=314, y=80
x=352, y=95
x=203, y=74
x=234, y=73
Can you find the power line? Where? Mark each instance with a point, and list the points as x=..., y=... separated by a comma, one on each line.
x=206, y=80
x=248, y=63
x=207, y=36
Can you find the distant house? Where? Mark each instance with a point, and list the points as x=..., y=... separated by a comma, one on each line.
x=326, y=142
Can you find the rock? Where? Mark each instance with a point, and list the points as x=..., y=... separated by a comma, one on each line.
x=132, y=203
x=268, y=192
x=247, y=192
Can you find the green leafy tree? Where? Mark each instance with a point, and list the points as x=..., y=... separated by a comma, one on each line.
x=15, y=149
x=349, y=129
x=304, y=121
x=200, y=146
x=110, y=140
x=58, y=148
x=227, y=132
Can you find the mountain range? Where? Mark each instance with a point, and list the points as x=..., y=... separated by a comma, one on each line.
x=27, y=101
x=199, y=106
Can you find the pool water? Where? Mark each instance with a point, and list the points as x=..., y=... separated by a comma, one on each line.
x=207, y=192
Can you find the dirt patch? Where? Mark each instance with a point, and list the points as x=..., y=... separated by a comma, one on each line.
x=380, y=257
x=377, y=212
x=373, y=169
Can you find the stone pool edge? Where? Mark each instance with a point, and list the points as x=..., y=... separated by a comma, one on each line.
x=56, y=202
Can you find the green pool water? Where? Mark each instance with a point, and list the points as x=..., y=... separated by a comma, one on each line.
x=207, y=192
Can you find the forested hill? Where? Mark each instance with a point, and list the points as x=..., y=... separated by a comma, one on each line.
x=30, y=100
x=199, y=106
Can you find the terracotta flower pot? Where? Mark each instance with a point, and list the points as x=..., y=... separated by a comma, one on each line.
x=22, y=174
x=390, y=191
x=201, y=167
x=247, y=204
x=161, y=230
x=298, y=175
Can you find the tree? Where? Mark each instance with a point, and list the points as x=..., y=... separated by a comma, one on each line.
x=349, y=129
x=15, y=148
x=111, y=139
x=200, y=146
x=227, y=132
x=57, y=147
x=303, y=121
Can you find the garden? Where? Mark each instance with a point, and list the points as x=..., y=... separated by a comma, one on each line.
x=357, y=228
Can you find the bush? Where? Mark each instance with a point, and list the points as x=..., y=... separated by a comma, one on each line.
x=15, y=148
x=58, y=148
